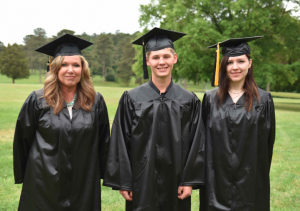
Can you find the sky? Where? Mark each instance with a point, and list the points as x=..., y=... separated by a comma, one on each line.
x=19, y=18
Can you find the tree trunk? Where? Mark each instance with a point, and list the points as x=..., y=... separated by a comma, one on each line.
x=268, y=87
x=185, y=83
x=13, y=80
x=197, y=79
x=103, y=70
x=40, y=67
x=204, y=86
x=180, y=81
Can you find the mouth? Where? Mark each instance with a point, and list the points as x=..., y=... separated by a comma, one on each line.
x=235, y=73
x=70, y=77
x=162, y=68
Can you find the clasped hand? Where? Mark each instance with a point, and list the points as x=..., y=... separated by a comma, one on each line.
x=183, y=192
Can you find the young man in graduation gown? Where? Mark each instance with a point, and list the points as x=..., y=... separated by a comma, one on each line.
x=156, y=155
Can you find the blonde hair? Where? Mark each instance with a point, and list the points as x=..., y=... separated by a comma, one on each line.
x=52, y=88
x=171, y=49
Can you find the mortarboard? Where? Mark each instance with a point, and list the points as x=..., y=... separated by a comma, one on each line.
x=66, y=45
x=156, y=39
x=232, y=47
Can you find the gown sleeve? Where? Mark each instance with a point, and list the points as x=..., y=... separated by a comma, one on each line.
x=271, y=126
x=24, y=135
x=104, y=134
x=118, y=173
x=193, y=173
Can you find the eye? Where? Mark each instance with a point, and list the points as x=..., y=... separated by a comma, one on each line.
x=76, y=65
x=64, y=65
x=229, y=62
x=155, y=57
x=167, y=57
x=241, y=61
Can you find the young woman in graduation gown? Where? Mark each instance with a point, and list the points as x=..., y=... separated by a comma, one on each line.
x=62, y=136
x=240, y=132
x=156, y=155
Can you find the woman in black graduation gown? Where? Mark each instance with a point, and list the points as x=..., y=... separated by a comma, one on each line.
x=240, y=134
x=60, y=148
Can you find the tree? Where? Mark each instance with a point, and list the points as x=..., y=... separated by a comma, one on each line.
x=137, y=67
x=102, y=54
x=32, y=42
x=1, y=46
x=208, y=22
x=13, y=62
x=126, y=61
x=65, y=31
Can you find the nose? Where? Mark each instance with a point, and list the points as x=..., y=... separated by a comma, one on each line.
x=161, y=60
x=235, y=66
x=70, y=68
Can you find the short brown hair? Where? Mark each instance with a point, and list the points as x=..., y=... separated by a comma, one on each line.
x=171, y=49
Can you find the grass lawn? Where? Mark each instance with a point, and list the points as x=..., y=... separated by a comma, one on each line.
x=285, y=172
x=97, y=81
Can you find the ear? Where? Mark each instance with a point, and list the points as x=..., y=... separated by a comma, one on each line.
x=250, y=63
x=175, y=58
x=147, y=61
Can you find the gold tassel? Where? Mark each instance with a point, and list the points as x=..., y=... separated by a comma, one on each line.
x=49, y=63
x=217, y=66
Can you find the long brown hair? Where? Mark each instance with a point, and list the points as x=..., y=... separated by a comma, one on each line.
x=52, y=88
x=250, y=86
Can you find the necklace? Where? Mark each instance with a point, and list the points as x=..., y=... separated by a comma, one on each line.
x=235, y=93
x=235, y=97
x=73, y=101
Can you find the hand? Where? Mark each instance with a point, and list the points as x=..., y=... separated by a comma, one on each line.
x=184, y=191
x=126, y=194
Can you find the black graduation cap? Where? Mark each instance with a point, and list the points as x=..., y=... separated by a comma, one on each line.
x=155, y=40
x=66, y=45
x=232, y=47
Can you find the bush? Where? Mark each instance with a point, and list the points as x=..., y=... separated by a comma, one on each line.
x=110, y=77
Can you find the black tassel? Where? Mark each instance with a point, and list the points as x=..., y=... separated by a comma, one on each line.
x=146, y=76
x=214, y=74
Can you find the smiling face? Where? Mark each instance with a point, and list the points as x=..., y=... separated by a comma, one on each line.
x=69, y=73
x=237, y=68
x=161, y=62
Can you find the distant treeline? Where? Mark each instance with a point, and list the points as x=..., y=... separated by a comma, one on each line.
x=275, y=58
x=111, y=56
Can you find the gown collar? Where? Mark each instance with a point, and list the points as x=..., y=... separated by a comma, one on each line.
x=157, y=90
x=241, y=100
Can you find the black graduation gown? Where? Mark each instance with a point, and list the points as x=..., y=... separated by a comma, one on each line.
x=58, y=160
x=157, y=144
x=239, y=147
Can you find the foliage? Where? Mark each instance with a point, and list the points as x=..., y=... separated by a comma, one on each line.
x=36, y=60
x=13, y=62
x=102, y=54
x=65, y=31
x=1, y=46
x=110, y=77
x=126, y=61
x=208, y=22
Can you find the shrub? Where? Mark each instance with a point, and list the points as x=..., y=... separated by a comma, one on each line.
x=110, y=77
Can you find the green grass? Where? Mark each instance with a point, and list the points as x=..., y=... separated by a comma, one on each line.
x=285, y=172
x=286, y=95
x=97, y=81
